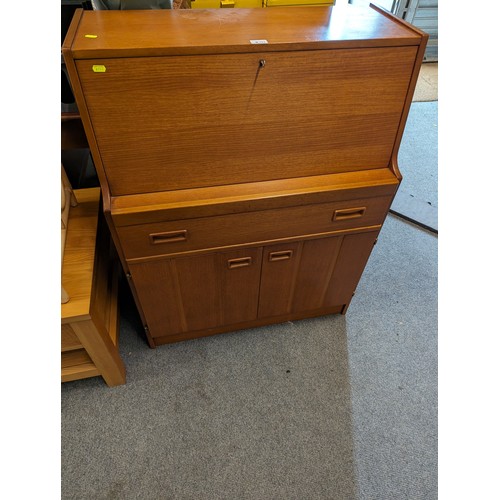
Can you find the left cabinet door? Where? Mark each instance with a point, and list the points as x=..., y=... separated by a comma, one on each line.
x=188, y=294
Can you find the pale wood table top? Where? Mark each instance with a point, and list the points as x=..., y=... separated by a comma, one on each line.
x=78, y=263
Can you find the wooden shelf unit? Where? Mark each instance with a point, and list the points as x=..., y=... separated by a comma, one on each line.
x=90, y=320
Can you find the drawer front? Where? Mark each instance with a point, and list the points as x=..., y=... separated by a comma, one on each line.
x=173, y=237
x=198, y=121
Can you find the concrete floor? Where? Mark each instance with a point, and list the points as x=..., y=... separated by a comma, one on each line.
x=427, y=84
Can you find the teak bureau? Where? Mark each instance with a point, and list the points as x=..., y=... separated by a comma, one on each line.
x=247, y=157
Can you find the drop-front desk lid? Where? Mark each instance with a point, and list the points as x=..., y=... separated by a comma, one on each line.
x=207, y=31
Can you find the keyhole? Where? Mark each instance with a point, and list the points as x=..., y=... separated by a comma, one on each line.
x=262, y=63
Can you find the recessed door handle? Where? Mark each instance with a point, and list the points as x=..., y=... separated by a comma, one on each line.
x=168, y=237
x=284, y=255
x=241, y=262
x=348, y=213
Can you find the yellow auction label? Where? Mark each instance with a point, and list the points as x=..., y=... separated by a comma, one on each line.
x=99, y=68
x=90, y=36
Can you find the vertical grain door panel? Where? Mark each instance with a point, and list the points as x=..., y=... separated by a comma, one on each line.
x=157, y=288
x=318, y=258
x=198, y=288
x=349, y=266
x=279, y=268
x=317, y=274
x=197, y=293
x=240, y=280
x=195, y=121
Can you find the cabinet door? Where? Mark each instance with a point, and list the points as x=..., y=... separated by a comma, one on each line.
x=313, y=274
x=197, y=293
x=295, y=277
x=279, y=269
x=239, y=284
x=350, y=263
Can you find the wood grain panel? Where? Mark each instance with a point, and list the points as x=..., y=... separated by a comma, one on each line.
x=76, y=365
x=278, y=278
x=317, y=263
x=142, y=33
x=103, y=280
x=239, y=275
x=157, y=287
x=102, y=351
x=79, y=254
x=352, y=259
x=69, y=340
x=199, y=293
x=226, y=230
x=219, y=200
x=75, y=358
x=198, y=283
x=270, y=117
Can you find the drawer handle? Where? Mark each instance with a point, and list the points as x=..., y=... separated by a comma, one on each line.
x=170, y=237
x=348, y=213
x=285, y=255
x=241, y=262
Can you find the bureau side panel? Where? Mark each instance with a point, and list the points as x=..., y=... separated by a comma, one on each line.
x=176, y=122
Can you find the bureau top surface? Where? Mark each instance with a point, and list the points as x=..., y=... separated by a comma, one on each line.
x=202, y=31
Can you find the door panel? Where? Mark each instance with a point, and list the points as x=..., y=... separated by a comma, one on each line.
x=240, y=280
x=274, y=124
x=158, y=292
x=197, y=293
x=197, y=277
x=352, y=259
x=279, y=266
x=317, y=262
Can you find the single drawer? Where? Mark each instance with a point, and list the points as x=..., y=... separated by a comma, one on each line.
x=172, y=237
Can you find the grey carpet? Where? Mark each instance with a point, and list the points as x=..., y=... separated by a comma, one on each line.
x=327, y=408
x=418, y=153
x=417, y=197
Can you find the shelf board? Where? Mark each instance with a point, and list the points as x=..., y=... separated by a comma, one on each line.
x=76, y=365
x=69, y=340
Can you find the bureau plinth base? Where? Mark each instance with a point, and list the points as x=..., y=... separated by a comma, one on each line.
x=170, y=339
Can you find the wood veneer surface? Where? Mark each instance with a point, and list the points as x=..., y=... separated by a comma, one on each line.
x=78, y=263
x=304, y=113
x=219, y=200
x=168, y=32
x=212, y=232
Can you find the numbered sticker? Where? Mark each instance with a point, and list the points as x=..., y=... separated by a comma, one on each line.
x=258, y=42
x=99, y=68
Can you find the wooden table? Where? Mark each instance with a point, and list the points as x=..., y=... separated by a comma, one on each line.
x=89, y=321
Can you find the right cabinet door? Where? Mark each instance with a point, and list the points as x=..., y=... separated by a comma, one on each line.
x=312, y=274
